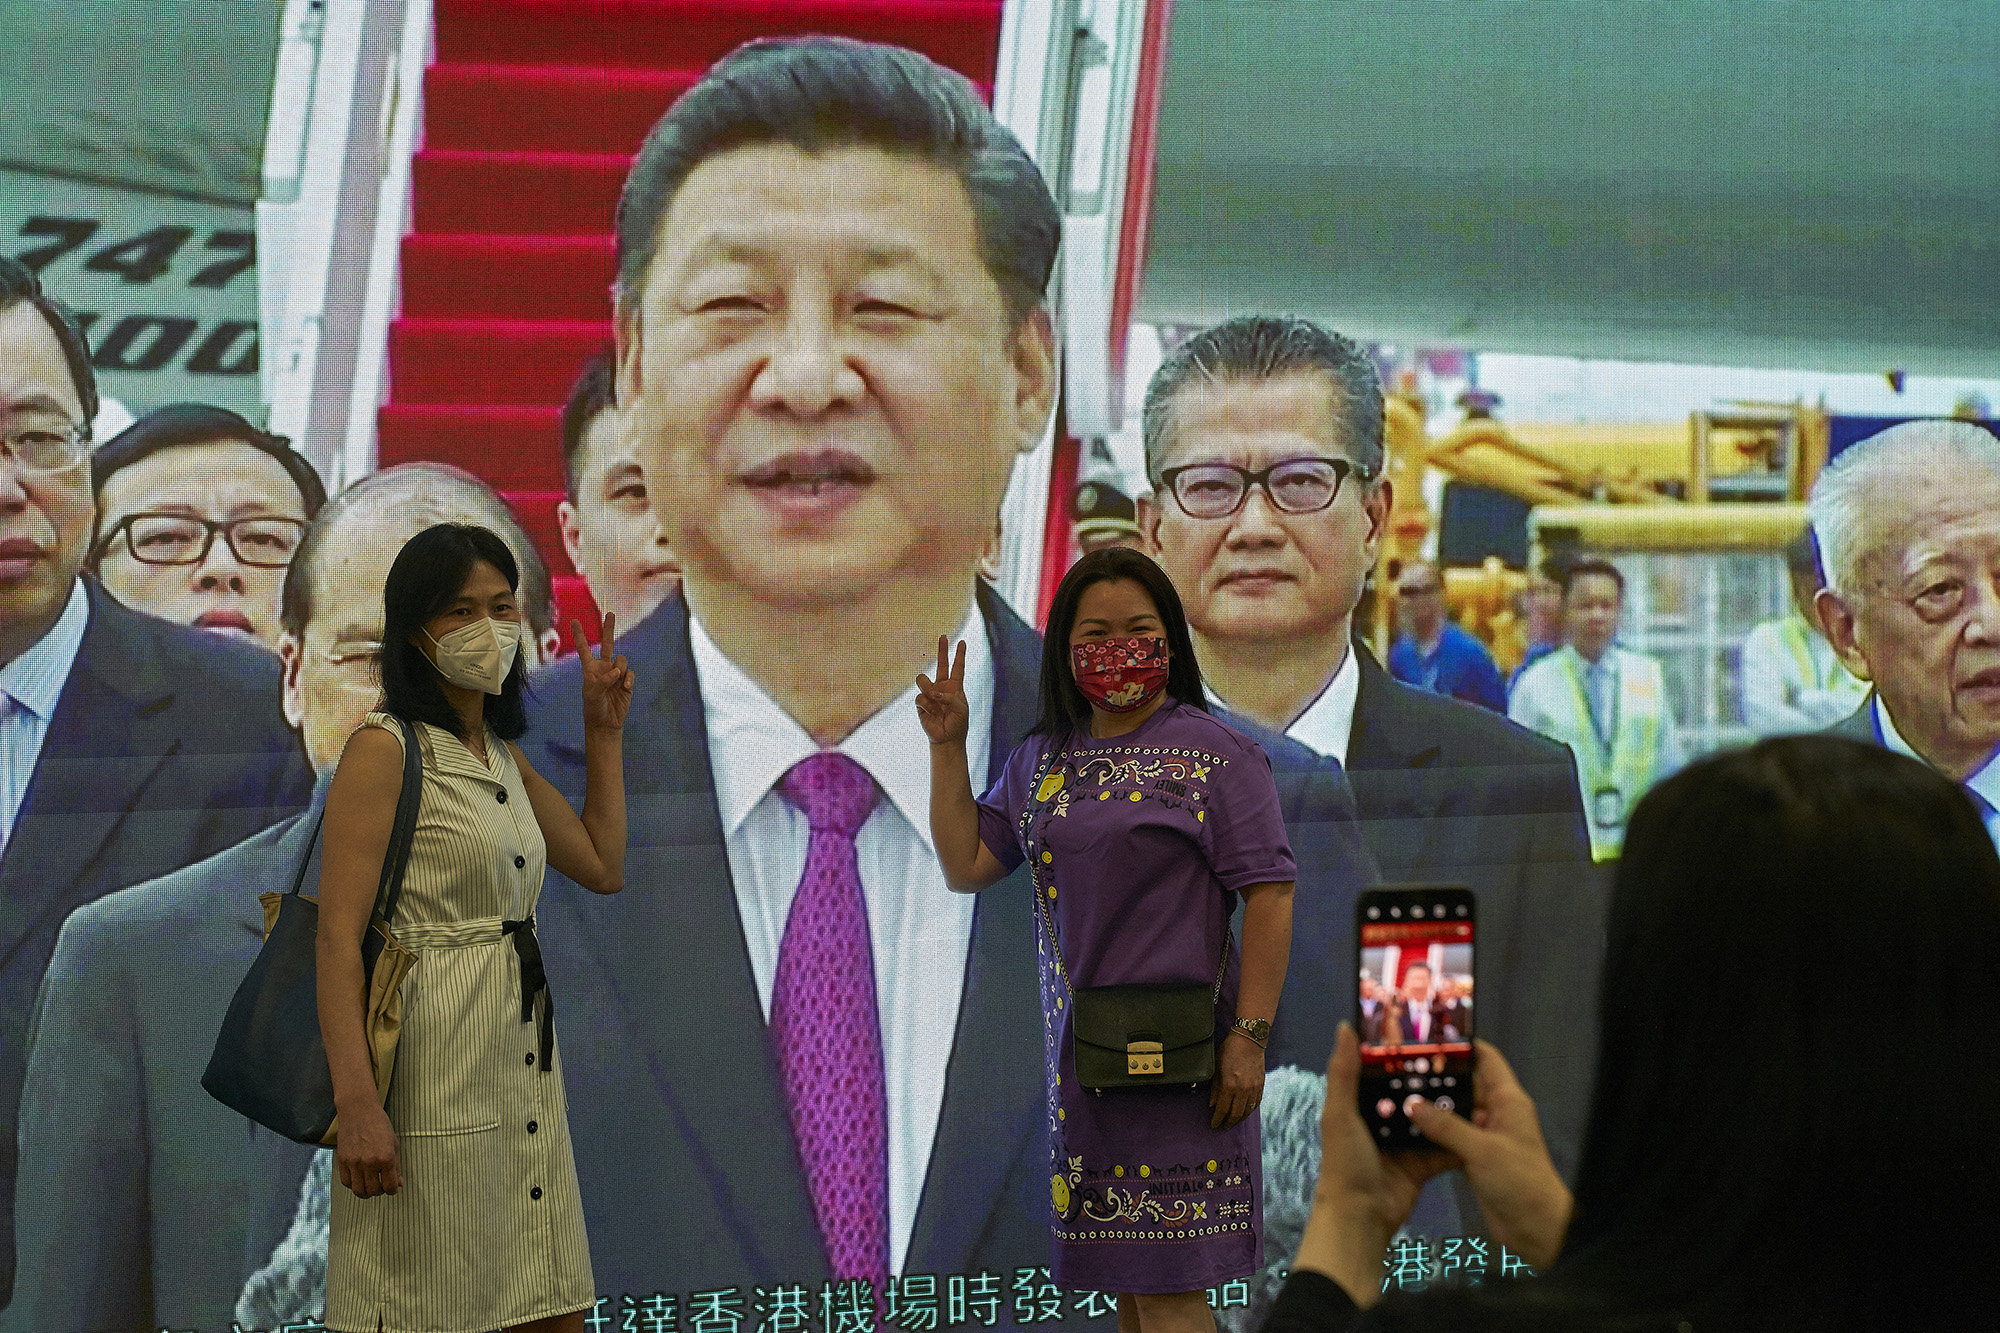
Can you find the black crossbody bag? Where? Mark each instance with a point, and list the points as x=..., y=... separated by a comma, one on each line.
x=1146, y=1035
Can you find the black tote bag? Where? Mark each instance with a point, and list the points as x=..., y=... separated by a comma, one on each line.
x=270, y=1061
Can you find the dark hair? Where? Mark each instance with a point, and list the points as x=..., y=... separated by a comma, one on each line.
x=1064, y=709
x=425, y=579
x=1763, y=1142
x=588, y=397
x=821, y=93
x=198, y=423
x=18, y=283
x=1569, y=573
x=1261, y=347
x=440, y=492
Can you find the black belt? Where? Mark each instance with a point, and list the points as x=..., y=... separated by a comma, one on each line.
x=534, y=979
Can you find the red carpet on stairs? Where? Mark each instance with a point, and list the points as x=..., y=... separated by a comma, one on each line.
x=532, y=113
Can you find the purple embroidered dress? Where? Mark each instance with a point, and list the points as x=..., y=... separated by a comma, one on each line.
x=1145, y=840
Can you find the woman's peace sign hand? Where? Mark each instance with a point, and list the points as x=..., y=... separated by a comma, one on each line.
x=607, y=680
x=941, y=705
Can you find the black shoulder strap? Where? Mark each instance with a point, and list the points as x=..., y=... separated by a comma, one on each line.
x=400, y=836
x=305, y=858
x=405, y=830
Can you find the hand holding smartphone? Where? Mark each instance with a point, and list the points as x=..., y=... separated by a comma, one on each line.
x=1414, y=1005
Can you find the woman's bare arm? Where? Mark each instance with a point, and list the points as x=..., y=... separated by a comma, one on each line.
x=360, y=814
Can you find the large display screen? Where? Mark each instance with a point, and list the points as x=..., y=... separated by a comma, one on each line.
x=795, y=460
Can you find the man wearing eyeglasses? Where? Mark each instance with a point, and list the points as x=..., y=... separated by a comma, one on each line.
x=199, y=512
x=1263, y=441
x=143, y=1202
x=128, y=747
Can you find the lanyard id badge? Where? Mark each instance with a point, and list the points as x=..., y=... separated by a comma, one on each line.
x=1607, y=807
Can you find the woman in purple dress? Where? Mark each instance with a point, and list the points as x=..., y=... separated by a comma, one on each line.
x=1144, y=819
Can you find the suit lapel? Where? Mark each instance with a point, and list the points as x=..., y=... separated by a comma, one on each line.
x=693, y=1020
x=993, y=1084
x=106, y=745
x=1860, y=724
x=1389, y=759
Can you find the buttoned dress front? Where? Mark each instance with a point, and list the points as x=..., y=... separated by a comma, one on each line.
x=487, y=1230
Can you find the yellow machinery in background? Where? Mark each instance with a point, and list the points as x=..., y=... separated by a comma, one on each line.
x=1721, y=481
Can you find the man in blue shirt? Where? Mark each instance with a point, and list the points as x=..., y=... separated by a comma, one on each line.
x=1436, y=655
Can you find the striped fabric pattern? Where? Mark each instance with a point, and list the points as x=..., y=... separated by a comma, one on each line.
x=487, y=1230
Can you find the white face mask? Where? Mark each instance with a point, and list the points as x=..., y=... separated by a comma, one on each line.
x=478, y=656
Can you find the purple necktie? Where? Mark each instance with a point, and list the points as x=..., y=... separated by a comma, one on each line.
x=824, y=1025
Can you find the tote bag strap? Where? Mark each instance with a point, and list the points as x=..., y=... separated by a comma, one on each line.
x=400, y=836
x=404, y=833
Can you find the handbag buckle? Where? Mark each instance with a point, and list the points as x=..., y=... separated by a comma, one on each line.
x=1145, y=1057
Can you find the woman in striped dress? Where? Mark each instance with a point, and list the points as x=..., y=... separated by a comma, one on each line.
x=460, y=1211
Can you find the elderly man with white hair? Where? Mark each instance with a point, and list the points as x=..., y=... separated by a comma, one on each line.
x=1908, y=523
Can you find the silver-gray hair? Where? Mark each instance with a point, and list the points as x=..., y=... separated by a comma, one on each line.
x=1261, y=347
x=1841, y=499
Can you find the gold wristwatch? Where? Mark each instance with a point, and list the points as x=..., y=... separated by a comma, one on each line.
x=1256, y=1029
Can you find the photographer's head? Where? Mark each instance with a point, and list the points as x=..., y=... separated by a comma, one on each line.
x=1908, y=523
x=832, y=341
x=199, y=513
x=1263, y=440
x=48, y=398
x=1762, y=1096
x=332, y=613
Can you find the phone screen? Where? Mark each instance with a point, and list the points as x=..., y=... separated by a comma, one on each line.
x=1414, y=1005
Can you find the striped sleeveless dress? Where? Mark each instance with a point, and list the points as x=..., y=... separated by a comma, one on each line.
x=487, y=1230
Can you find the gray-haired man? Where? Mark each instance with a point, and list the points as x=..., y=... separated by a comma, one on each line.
x=1908, y=523
x=1264, y=445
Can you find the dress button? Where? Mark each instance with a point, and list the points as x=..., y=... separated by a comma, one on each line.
x=500, y=796
x=532, y=1126
x=531, y=1057
x=535, y=1193
x=520, y=861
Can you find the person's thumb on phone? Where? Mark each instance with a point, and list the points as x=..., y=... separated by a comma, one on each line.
x=1447, y=1130
x=1526, y=1203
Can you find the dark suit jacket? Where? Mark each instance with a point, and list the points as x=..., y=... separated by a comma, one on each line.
x=135, y=1184
x=1451, y=793
x=1858, y=725
x=685, y=1155
x=1405, y=1027
x=168, y=745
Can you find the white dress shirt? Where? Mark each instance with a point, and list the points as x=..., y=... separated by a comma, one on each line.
x=1986, y=782
x=1784, y=696
x=1328, y=722
x=30, y=686
x=921, y=931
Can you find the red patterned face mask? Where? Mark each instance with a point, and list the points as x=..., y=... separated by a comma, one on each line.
x=1119, y=675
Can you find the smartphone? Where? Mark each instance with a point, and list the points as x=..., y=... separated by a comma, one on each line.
x=1414, y=1004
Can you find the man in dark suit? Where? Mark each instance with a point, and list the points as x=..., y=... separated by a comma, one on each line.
x=1908, y=522
x=143, y=1202
x=1264, y=445
x=682, y=1140
x=828, y=474
x=1421, y=1020
x=128, y=747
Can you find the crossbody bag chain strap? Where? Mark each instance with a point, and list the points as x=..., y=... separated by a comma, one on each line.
x=1035, y=806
